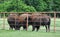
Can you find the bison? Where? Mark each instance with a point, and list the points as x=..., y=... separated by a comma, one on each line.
x=13, y=21
x=40, y=20
x=23, y=20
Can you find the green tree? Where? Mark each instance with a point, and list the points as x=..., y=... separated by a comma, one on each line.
x=56, y=6
x=39, y=5
x=29, y=5
x=15, y=6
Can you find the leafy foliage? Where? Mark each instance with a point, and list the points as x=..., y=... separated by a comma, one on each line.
x=29, y=5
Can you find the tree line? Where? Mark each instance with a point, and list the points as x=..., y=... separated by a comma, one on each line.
x=29, y=5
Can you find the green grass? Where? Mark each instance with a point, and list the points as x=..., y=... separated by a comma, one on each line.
x=29, y=33
x=21, y=33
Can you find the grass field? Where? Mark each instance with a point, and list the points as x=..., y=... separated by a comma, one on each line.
x=29, y=33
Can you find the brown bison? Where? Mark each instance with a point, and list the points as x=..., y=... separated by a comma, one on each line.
x=40, y=20
x=23, y=20
x=13, y=21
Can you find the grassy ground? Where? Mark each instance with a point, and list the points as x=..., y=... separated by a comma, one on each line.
x=21, y=33
x=29, y=33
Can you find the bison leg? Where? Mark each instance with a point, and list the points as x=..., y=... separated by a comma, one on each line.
x=33, y=28
x=24, y=27
x=46, y=28
x=49, y=28
x=37, y=27
x=49, y=25
x=17, y=27
x=11, y=27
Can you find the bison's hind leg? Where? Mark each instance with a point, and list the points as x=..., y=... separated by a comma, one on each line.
x=37, y=27
x=48, y=28
x=33, y=28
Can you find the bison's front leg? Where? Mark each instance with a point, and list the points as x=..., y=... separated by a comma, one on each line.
x=24, y=27
x=11, y=27
x=37, y=28
x=33, y=28
x=17, y=27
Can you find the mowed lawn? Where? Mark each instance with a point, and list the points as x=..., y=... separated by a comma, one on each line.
x=30, y=33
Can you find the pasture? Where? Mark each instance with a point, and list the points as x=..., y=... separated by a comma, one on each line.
x=29, y=33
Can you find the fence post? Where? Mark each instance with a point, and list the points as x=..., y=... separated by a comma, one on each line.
x=3, y=20
x=54, y=21
x=27, y=22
